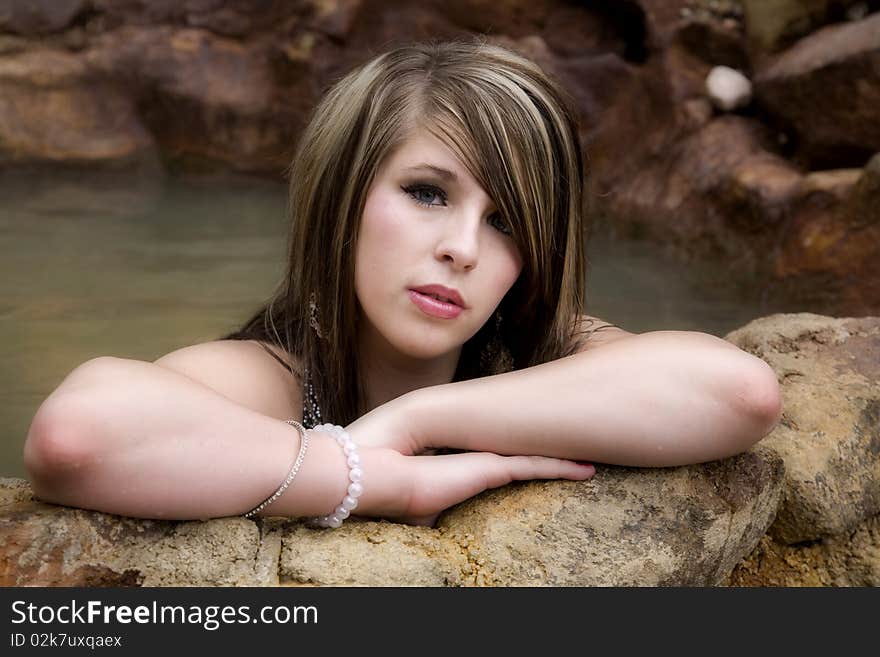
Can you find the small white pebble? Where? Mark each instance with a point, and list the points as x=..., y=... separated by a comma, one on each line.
x=728, y=89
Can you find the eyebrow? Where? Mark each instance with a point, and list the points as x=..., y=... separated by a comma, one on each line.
x=443, y=173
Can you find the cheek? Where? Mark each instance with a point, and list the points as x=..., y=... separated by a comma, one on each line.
x=380, y=242
x=382, y=222
x=509, y=268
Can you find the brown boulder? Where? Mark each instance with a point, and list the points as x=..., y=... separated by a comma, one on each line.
x=335, y=18
x=39, y=17
x=718, y=191
x=662, y=18
x=238, y=18
x=140, y=12
x=514, y=18
x=54, y=110
x=826, y=89
x=759, y=192
x=713, y=42
x=833, y=236
x=204, y=97
x=245, y=18
x=576, y=30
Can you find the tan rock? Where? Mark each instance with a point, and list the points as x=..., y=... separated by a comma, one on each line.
x=625, y=527
x=367, y=553
x=14, y=490
x=48, y=545
x=845, y=560
x=687, y=526
x=829, y=436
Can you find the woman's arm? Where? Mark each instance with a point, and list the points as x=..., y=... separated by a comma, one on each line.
x=133, y=438
x=129, y=437
x=662, y=398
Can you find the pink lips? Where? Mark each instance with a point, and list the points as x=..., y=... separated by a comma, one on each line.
x=433, y=307
x=447, y=294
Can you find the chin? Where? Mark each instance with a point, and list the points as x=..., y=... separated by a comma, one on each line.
x=423, y=347
x=414, y=339
x=427, y=352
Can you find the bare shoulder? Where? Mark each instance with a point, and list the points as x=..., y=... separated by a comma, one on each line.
x=599, y=332
x=242, y=371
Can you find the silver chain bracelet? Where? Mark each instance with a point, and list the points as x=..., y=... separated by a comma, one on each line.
x=304, y=445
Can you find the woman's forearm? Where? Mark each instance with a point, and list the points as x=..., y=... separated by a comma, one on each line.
x=655, y=399
x=130, y=437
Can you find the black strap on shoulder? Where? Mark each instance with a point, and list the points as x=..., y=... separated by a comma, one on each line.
x=275, y=356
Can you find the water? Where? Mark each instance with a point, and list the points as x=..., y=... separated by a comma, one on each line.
x=136, y=268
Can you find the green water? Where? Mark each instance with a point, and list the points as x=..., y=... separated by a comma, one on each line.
x=136, y=268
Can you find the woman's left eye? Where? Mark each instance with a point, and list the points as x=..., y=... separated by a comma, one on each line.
x=500, y=224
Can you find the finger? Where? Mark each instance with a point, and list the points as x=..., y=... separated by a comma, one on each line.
x=545, y=467
x=452, y=478
x=500, y=470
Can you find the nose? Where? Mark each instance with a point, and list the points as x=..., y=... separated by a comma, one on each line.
x=459, y=242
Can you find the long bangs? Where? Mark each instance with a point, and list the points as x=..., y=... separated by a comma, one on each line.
x=512, y=152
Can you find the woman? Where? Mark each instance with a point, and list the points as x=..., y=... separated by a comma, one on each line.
x=434, y=299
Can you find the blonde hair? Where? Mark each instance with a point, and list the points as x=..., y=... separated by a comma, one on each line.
x=512, y=127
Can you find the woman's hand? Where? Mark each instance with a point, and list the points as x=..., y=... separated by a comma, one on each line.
x=418, y=487
x=388, y=426
x=424, y=486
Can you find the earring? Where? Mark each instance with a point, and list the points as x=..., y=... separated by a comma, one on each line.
x=313, y=315
x=496, y=357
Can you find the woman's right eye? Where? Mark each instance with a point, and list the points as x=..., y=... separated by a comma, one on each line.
x=420, y=193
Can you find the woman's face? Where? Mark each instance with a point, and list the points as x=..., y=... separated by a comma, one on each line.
x=422, y=226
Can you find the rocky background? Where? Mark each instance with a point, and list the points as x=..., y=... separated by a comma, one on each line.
x=768, y=168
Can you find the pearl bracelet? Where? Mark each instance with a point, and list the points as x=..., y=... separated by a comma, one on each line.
x=355, y=476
